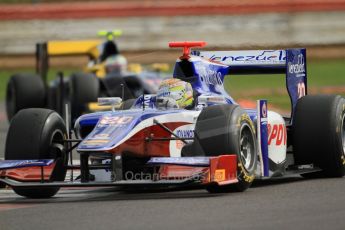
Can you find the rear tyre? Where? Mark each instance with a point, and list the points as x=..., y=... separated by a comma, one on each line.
x=227, y=129
x=319, y=134
x=84, y=88
x=37, y=134
x=24, y=91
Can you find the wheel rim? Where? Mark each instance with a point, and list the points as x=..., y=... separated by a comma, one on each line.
x=57, y=138
x=247, y=148
x=57, y=152
x=343, y=133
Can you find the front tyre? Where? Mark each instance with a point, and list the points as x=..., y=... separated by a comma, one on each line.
x=227, y=129
x=38, y=134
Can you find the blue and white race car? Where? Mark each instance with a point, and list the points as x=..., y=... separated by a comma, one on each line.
x=191, y=132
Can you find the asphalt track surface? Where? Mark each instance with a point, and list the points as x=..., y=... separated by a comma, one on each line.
x=292, y=203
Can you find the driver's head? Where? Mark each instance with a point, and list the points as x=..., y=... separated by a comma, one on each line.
x=115, y=64
x=174, y=93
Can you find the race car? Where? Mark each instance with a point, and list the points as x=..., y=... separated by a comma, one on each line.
x=191, y=133
x=106, y=74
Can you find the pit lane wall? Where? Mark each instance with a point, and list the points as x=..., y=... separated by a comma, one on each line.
x=149, y=25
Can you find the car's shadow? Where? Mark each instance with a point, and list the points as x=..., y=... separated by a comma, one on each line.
x=276, y=181
x=113, y=194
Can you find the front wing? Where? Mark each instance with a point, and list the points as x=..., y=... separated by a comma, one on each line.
x=171, y=171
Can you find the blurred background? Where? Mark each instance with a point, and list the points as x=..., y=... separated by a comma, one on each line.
x=148, y=26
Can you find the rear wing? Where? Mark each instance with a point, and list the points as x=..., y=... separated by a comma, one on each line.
x=248, y=61
x=71, y=48
x=63, y=48
x=291, y=62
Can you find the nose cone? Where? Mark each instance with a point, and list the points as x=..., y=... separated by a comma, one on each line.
x=110, y=130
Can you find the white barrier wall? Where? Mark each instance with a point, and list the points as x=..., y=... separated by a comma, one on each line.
x=147, y=33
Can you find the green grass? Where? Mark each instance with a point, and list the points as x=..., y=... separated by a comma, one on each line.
x=321, y=74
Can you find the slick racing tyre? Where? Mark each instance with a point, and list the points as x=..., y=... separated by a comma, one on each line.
x=24, y=91
x=38, y=134
x=84, y=88
x=58, y=95
x=227, y=129
x=319, y=134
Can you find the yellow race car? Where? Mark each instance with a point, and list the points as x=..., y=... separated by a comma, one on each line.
x=106, y=74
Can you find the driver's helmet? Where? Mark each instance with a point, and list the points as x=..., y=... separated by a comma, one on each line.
x=115, y=64
x=174, y=93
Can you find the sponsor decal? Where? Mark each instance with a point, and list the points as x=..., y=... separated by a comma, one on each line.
x=95, y=142
x=195, y=161
x=277, y=134
x=188, y=133
x=300, y=89
x=264, y=110
x=219, y=175
x=183, y=133
x=115, y=121
x=210, y=77
x=147, y=100
x=263, y=137
x=29, y=162
x=270, y=56
x=102, y=136
x=299, y=67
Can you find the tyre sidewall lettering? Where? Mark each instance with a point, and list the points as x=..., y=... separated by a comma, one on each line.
x=243, y=174
x=245, y=118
